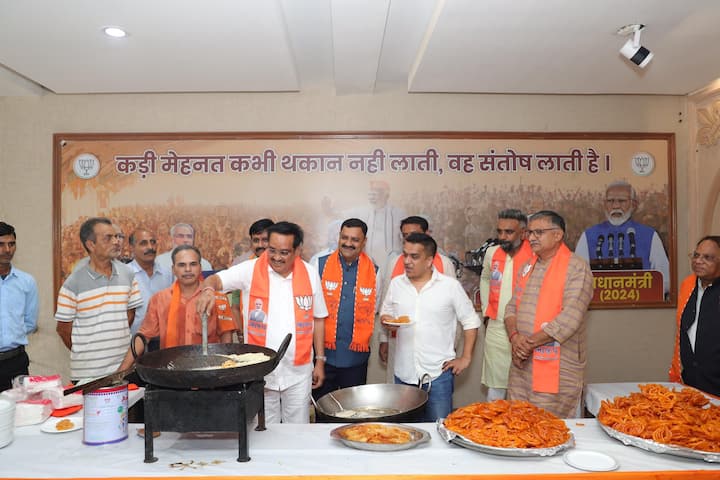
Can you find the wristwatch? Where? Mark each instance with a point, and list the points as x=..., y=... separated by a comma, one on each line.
x=321, y=357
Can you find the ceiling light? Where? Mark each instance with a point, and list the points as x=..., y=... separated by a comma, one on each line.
x=115, y=32
x=632, y=50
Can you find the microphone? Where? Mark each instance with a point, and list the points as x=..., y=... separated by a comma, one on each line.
x=631, y=238
x=611, y=245
x=598, y=246
x=621, y=244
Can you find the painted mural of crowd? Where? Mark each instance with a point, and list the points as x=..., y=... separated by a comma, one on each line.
x=221, y=231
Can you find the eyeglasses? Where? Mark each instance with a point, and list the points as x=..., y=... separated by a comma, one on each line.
x=281, y=253
x=702, y=257
x=539, y=232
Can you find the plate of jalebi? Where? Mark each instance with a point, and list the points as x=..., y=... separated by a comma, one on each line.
x=663, y=420
x=506, y=427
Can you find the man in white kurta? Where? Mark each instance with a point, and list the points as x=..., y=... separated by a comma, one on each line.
x=288, y=387
x=500, y=264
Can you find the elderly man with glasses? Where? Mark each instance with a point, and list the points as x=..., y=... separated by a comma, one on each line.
x=620, y=242
x=697, y=353
x=546, y=321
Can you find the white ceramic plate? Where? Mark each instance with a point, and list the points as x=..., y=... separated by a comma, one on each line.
x=396, y=324
x=590, y=460
x=50, y=426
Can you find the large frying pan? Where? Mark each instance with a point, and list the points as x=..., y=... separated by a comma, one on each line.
x=378, y=402
x=178, y=367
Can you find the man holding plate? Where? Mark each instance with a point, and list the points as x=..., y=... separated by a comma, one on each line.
x=434, y=303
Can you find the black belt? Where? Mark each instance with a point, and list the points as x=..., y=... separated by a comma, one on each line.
x=8, y=354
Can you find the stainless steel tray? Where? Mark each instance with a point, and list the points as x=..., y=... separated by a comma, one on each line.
x=452, y=437
x=417, y=436
x=655, y=447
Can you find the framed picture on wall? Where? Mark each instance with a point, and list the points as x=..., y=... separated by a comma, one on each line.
x=614, y=190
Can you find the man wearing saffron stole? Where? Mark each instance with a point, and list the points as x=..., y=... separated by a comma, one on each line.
x=434, y=303
x=395, y=267
x=350, y=284
x=696, y=361
x=259, y=242
x=293, y=302
x=500, y=269
x=545, y=321
x=172, y=313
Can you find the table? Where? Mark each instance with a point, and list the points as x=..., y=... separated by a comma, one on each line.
x=595, y=393
x=308, y=450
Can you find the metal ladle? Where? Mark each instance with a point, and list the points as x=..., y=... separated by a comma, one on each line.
x=204, y=321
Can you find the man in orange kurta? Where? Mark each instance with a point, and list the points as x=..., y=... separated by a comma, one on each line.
x=172, y=314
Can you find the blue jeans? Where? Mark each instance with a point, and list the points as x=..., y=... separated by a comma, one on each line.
x=439, y=404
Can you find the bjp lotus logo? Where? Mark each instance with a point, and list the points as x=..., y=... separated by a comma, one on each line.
x=331, y=285
x=304, y=302
x=366, y=291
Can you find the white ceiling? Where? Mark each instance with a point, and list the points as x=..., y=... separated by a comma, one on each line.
x=355, y=46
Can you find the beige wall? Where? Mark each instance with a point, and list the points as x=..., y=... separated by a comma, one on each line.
x=624, y=345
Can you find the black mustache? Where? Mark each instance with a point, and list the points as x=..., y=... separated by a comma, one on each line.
x=148, y=252
x=349, y=246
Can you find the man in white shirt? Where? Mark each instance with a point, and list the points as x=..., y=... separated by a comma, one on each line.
x=434, y=303
x=394, y=267
x=151, y=277
x=293, y=302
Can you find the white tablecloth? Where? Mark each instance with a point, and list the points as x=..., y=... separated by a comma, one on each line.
x=300, y=450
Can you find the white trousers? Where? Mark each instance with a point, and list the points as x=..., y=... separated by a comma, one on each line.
x=291, y=405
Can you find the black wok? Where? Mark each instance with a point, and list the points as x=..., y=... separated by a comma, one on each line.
x=186, y=367
x=379, y=402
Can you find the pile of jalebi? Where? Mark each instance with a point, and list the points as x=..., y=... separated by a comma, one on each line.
x=666, y=416
x=508, y=424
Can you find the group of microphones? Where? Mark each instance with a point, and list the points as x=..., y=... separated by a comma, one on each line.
x=474, y=258
x=616, y=258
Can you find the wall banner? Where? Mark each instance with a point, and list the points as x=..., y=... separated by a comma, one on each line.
x=222, y=182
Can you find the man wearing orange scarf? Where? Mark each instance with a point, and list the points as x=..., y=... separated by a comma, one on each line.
x=501, y=266
x=350, y=284
x=696, y=361
x=545, y=321
x=258, y=244
x=172, y=313
x=288, y=292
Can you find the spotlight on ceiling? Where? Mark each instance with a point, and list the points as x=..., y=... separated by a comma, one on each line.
x=115, y=32
x=632, y=50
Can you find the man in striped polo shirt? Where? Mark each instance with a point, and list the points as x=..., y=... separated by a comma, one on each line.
x=96, y=305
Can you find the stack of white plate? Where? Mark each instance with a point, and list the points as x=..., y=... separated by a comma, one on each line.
x=7, y=421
